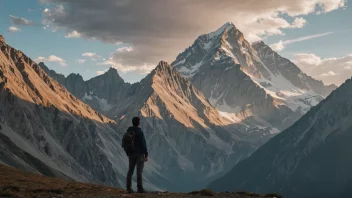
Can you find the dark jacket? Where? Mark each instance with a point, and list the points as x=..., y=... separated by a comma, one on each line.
x=139, y=141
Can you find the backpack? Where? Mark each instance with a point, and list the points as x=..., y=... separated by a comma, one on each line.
x=128, y=142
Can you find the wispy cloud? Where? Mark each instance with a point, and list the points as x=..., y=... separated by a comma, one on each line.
x=81, y=61
x=101, y=72
x=13, y=29
x=332, y=70
x=89, y=54
x=125, y=49
x=298, y=23
x=306, y=38
x=282, y=44
x=73, y=34
x=20, y=21
x=329, y=73
x=52, y=58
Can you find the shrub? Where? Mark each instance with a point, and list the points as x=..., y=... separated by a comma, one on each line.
x=207, y=192
x=273, y=195
x=249, y=194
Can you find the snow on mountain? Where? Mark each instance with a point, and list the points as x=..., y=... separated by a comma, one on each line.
x=309, y=159
x=249, y=83
x=296, y=89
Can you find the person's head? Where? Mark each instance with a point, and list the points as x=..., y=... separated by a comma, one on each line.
x=136, y=121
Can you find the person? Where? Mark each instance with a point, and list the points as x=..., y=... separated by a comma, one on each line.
x=137, y=157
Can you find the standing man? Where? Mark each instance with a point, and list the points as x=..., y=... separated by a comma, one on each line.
x=135, y=147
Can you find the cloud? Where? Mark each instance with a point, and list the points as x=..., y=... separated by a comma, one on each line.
x=282, y=44
x=81, y=61
x=101, y=72
x=329, y=73
x=157, y=31
x=13, y=29
x=333, y=70
x=125, y=49
x=52, y=58
x=89, y=54
x=348, y=67
x=306, y=38
x=298, y=23
x=277, y=46
x=140, y=69
x=118, y=61
x=20, y=21
x=73, y=34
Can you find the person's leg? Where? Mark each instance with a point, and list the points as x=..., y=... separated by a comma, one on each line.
x=140, y=166
x=131, y=165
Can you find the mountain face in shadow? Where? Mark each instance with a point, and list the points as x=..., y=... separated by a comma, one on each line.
x=104, y=93
x=309, y=159
x=197, y=142
x=190, y=143
x=220, y=100
x=282, y=66
x=249, y=81
x=47, y=130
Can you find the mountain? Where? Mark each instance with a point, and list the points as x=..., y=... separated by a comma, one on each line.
x=310, y=159
x=104, y=93
x=45, y=129
x=190, y=143
x=249, y=83
x=2, y=40
x=282, y=66
x=254, y=99
x=187, y=137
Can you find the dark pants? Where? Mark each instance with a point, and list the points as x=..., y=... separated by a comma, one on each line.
x=135, y=160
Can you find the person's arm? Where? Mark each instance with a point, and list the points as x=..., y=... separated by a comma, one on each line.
x=144, y=145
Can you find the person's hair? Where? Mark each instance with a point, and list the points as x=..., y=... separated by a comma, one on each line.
x=136, y=121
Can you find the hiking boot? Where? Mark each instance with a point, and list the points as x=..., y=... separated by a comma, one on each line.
x=141, y=191
x=130, y=190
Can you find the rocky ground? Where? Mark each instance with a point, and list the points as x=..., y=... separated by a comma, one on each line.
x=15, y=183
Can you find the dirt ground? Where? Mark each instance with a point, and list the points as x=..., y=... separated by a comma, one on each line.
x=19, y=184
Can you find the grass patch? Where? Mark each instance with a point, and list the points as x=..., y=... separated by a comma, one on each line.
x=11, y=188
x=194, y=193
x=249, y=194
x=5, y=194
x=51, y=191
x=273, y=195
x=205, y=192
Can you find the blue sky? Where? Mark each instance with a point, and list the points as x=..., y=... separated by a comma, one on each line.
x=36, y=41
x=336, y=44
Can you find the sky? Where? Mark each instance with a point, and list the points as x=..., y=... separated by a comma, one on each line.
x=89, y=36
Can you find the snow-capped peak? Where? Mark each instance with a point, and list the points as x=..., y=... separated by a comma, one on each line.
x=226, y=27
x=217, y=63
